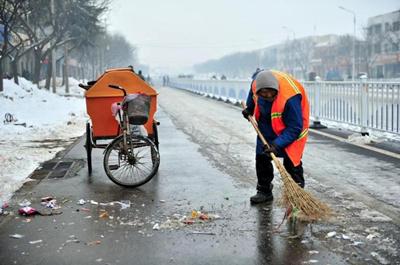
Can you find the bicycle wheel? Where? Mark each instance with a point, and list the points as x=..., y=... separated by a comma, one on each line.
x=132, y=165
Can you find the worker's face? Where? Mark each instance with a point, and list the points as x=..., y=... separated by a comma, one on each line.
x=268, y=94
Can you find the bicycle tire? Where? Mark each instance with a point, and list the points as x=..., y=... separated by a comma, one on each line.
x=130, y=171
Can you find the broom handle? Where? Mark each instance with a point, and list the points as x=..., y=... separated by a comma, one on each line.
x=254, y=123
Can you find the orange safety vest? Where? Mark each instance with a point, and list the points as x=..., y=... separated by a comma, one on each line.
x=288, y=87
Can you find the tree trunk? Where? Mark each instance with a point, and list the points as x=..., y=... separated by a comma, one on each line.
x=14, y=70
x=1, y=76
x=63, y=74
x=66, y=69
x=48, y=74
x=36, y=70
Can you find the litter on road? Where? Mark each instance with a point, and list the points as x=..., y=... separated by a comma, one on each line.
x=16, y=236
x=202, y=233
x=35, y=242
x=27, y=211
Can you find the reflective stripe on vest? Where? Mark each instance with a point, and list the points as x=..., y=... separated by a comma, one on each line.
x=288, y=88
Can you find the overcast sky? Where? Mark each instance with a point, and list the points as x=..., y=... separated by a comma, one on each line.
x=174, y=34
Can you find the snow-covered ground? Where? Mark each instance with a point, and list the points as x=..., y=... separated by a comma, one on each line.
x=43, y=123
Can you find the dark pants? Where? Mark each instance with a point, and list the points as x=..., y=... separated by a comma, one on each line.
x=265, y=172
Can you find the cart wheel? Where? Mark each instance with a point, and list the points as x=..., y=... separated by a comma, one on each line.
x=155, y=135
x=88, y=147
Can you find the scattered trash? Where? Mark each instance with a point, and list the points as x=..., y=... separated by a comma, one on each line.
x=124, y=204
x=81, y=202
x=330, y=234
x=195, y=214
x=51, y=204
x=372, y=236
x=357, y=243
x=27, y=220
x=104, y=215
x=9, y=118
x=85, y=209
x=99, y=260
x=27, y=211
x=203, y=217
x=35, y=242
x=162, y=201
x=24, y=203
x=88, y=217
x=47, y=199
x=94, y=202
x=95, y=242
x=313, y=252
x=17, y=236
x=156, y=227
x=345, y=237
x=4, y=205
x=202, y=233
x=188, y=221
x=214, y=216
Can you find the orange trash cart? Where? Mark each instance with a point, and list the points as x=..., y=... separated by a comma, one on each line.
x=99, y=98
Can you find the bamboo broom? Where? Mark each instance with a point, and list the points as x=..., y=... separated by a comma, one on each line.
x=296, y=200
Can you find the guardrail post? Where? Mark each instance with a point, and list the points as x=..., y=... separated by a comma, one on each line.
x=317, y=123
x=364, y=107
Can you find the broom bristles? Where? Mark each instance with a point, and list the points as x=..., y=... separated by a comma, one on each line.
x=295, y=197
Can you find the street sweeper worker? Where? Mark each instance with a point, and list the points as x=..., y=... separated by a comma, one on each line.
x=280, y=106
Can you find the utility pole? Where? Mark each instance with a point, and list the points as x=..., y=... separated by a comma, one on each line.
x=53, y=51
x=354, y=41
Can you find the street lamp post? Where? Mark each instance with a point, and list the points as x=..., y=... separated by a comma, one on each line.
x=291, y=59
x=354, y=40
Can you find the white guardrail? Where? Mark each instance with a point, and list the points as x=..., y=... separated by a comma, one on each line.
x=364, y=104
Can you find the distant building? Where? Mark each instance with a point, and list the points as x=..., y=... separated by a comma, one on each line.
x=383, y=40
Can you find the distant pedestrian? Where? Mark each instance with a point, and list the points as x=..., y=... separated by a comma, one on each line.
x=141, y=75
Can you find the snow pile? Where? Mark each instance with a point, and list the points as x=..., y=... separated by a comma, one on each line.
x=34, y=125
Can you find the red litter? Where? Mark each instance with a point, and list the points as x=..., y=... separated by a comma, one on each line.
x=27, y=211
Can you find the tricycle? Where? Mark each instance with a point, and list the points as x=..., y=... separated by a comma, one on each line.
x=121, y=107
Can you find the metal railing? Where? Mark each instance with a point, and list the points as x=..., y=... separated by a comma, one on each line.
x=365, y=105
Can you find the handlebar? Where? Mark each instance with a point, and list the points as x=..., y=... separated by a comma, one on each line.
x=84, y=87
x=118, y=87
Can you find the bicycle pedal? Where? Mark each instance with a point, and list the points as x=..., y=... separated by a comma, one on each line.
x=113, y=167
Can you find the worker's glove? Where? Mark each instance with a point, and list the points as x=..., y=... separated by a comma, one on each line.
x=246, y=113
x=271, y=149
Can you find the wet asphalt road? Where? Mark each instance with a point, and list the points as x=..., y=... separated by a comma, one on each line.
x=191, y=177
x=242, y=234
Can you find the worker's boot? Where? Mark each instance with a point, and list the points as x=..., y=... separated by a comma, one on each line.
x=263, y=195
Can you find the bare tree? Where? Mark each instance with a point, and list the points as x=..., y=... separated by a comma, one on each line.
x=9, y=13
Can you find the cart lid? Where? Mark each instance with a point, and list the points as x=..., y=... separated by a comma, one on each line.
x=124, y=77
